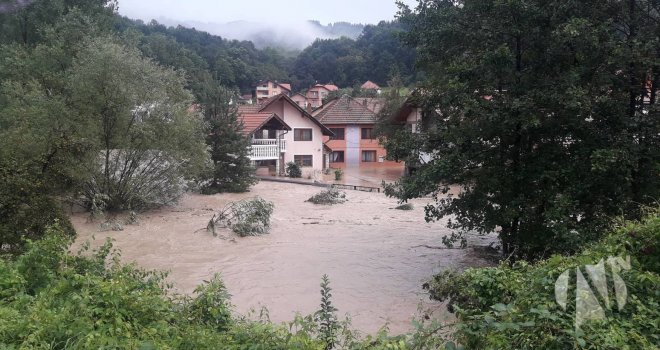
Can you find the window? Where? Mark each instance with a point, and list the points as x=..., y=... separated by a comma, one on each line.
x=314, y=93
x=337, y=157
x=302, y=134
x=339, y=133
x=303, y=160
x=368, y=156
x=367, y=133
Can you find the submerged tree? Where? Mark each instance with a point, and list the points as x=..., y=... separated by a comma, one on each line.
x=544, y=112
x=232, y=170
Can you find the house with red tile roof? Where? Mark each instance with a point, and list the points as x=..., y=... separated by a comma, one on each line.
x=318, y=92
x=354, y=143
x=281, y=131
x=266, y=89
x=370, y=85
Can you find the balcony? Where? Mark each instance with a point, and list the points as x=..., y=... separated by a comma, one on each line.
x=263, y=149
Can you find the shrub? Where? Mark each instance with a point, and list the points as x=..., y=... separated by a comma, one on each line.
x=211, y=305
x=248, y=217
x=26, y=208
x=293, y=170
x=329, y=197
x=513, y=305
x=326, y=316
x=338, y=174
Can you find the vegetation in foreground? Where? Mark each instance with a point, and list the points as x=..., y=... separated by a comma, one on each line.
x=513, y=306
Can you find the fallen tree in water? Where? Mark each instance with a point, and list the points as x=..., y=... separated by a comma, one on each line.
x=247, y=217
x=329, y=197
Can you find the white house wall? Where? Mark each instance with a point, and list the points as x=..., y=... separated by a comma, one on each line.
x=295, y=119
x=352, y=135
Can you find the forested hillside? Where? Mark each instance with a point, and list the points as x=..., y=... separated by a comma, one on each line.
x=375, y=55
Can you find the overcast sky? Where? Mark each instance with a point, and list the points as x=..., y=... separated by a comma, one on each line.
x=273, y=11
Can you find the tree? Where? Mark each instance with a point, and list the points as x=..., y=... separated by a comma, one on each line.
x=232, y=169
x=543, y=112
x=147, y=140
x=44, y=142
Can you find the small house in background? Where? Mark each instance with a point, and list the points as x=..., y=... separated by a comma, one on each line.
x=354, y=143
x=300, y=99
x=282, y=131
x=318, y=92
x=370, y=85
x=266, y=89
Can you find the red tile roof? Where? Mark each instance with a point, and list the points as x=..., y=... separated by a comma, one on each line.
x=345, y=110
x=370, y=85
x=285, y=86
x=255, y=121
x=332, y=87
x=258, y=108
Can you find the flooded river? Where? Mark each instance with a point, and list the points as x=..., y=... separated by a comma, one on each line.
x=374, y=255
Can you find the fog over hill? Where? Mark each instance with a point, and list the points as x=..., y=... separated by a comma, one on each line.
x=289, y=35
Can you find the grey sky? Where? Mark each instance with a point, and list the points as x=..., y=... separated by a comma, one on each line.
x=272, y=11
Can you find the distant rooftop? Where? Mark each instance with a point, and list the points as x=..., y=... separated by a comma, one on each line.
x=345, y=110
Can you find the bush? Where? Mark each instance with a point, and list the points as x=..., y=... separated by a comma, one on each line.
x=329, y=197
x=293, y=170
x=248, y=217
x=513, y=305
x=211, y=305
x=338, y=174
x=26, y=208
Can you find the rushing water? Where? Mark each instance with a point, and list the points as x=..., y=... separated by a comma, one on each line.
x=376, y=257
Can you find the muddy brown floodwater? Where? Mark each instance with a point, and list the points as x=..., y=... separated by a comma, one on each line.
x=374, y=255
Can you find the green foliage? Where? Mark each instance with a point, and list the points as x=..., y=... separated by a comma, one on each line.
x=326, y=316
x=248, y=217
x=348, y=62
x=211, y=305
x=148, y=142
x=232, y=170
x=338, y=174
x=205, y=57
x=293, y=170
x=513, y=305
x=329, y=197
x=26, y=208
x=540, y=111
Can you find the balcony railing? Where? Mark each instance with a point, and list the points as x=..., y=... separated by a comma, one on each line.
x=262, y=149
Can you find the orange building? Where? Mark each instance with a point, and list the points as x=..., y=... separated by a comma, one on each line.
x=354, y=143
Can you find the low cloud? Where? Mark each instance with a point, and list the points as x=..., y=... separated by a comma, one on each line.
x=289, y=35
